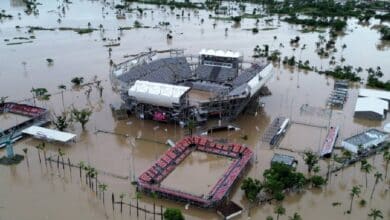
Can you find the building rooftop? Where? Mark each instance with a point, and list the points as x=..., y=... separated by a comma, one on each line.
x=365, y=137
x=371, y=104
x=285, y=159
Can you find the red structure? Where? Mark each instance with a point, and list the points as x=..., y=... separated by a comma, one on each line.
x=327, y=147
x=37, y=116
x=150, y=180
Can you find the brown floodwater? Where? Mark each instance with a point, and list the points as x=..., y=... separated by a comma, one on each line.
x=40, y=192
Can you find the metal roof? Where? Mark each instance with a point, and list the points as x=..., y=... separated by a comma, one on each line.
x=371, y=104
x=374, y=93
x=157, y=93
x=49, y=134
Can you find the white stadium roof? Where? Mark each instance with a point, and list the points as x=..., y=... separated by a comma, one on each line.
x=374, y=93
x=158, y=94
x=220, y=53
x=371, y=104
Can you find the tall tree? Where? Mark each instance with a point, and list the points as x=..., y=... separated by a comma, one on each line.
x=386, y=158
x=378, y=177
x=375, y=214
x=355, y=192
x=311, y=159
x=366, y=168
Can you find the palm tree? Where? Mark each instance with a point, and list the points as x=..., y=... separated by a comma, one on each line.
x=279, y=210
x=355, y=191
x=103, y=188
x=62, y=88
x=378, y=177
x=386, y=158
x=81, y=166
x=311, y=160
x=121, y=196
x=366, y=168
x=296, y=216
x=375, y=214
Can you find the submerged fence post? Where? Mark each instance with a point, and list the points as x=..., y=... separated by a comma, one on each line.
x=161, y=213
x=113, y=202
x=154, y=211
x=145, y=211
x=130, y=207
x=137, y=208
x=70, y=166
x=63, y=163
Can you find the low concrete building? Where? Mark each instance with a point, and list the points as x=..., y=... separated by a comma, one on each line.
x=364, y=140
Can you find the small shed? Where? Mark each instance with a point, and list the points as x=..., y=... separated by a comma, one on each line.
x=229, y=210
x=284, y=159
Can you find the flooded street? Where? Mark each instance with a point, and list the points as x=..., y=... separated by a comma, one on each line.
x=36, y=190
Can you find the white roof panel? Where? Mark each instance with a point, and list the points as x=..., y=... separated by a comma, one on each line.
x=371, y=104
x=159, y=94
x=374, y=93
x=220, y=53
x=49, y=134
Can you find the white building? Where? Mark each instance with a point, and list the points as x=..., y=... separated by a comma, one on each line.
x=364, y=140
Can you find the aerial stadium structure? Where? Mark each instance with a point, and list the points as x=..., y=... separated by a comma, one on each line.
x=150, y=180
x=177, y=88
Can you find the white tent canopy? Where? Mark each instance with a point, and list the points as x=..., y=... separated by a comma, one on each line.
x=49, y=134
x=158, y=94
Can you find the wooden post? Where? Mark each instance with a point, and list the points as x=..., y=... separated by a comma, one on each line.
x=137, y=208
x=130, y=207
x=70, y=167
x=80, y=173
x=145, y=211
x=58, y=162
x=121, y=205
x=96, y=185
x=44, y=155
x=63, y=163
x=161, y=212
x=39, y=156
x=113, y=202
x=154, y=211
x=50, y=162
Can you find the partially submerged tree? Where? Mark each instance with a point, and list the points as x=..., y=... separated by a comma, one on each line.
x=77, y=81
x=296, y=216
x=386, y=158
x=375, y=214
x=378, y=177
x=366, y=168
x=82, y=116
x=61, y=122
x=279, y=210
x=173, y=214
x=252, y=188
x=355, y=192
x=311, y=159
